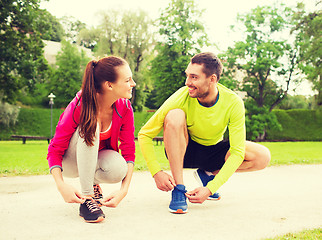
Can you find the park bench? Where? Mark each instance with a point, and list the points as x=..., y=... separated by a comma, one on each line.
x=157, y=139
x=25, y=137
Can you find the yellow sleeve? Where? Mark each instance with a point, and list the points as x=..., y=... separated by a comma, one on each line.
x=237, y=139
x=154, y=126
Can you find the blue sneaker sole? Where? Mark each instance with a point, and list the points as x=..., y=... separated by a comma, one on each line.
x=196, y=175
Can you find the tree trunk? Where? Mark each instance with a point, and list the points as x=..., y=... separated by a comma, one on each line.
x=261, y=137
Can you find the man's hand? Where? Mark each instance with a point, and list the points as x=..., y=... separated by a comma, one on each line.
x=199, y=195
x=164, y=181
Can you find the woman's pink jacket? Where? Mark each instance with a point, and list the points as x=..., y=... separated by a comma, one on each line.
x=122, y=130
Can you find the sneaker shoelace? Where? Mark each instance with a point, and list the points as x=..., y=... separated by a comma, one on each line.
x=92, y=205
x=97, y=192
x=178, y=196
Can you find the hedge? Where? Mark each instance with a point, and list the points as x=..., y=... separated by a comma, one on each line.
x=297, y=124
x=36, y=122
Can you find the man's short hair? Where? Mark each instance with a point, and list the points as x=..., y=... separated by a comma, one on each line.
x=211, y=63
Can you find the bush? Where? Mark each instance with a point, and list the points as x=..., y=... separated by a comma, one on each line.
x=33, y=121
x=36, y=122
x=297, y=124
x=8, y=114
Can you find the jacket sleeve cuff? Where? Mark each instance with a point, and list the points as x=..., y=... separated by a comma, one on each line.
x=55, y=166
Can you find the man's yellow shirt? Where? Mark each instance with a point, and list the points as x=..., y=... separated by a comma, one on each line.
x=206, y=126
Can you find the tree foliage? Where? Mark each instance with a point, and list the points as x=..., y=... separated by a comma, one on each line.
x=67, y=77
x=267, y=60
x=258, y=119
x=48, y=26
x=71, y=27
x=22, y=63
x=126, y=34
x=182, y=35
x=296, y=102
x=8, y=114
x=309, y=27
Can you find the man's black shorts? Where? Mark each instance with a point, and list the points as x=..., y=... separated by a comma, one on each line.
x=208, y=158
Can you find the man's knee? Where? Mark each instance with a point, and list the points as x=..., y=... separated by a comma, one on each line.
x=175, y=119
x=258, y=155
x=263, y=157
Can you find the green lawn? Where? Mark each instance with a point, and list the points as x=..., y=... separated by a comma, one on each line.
x=30, y=158
x=314, y=234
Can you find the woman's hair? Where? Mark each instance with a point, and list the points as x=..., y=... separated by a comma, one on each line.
x=211, y=63
x=96, y=74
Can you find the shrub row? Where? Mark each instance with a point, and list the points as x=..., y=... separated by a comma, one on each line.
x=297, y=124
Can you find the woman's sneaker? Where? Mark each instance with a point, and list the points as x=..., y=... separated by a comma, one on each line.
x=91, y=212
x=178, y=202
x=203, y=178
x=98, y=194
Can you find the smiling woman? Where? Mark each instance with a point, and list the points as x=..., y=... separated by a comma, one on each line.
x=86, y=142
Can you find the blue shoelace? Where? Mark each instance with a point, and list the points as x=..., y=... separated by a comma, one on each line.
x=178, y=196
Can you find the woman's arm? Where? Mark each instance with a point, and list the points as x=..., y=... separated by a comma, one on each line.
x=115, y=198
x=68, y=192
x=65, y=129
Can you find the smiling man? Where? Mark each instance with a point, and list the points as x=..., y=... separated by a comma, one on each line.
x=194, y=120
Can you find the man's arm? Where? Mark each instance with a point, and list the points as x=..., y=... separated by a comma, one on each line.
x=237, y=140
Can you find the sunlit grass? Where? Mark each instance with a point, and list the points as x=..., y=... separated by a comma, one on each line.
x=314, y=234
x=30, y=158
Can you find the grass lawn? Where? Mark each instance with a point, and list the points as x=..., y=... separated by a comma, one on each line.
x=314, y=234
x=30, y=158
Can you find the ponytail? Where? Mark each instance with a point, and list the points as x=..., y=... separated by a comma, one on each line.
x=96, y=73
x=88, y=117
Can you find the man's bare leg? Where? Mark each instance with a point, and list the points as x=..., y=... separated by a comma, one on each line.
x=175, y=141
x=257, y=157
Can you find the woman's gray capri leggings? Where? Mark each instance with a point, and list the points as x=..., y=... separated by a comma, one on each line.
x=92, y=166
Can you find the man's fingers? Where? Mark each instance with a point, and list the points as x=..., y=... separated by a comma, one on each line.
x=173, y=183
x=193, y=192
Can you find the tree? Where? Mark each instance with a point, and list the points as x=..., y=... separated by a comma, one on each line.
x=67, y=77
x=182, y=35
x=89, y=37
x=296, y=102
x=267, y=59
x=22, y=63
x=71, y=27
x=48, y=26
x=125, y=34
x=8, y=114
x=309, y=29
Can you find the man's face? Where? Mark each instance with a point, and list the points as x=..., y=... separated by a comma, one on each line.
x=197, y=81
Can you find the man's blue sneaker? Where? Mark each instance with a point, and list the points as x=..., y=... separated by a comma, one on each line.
x=178, y=202
x=203, y=178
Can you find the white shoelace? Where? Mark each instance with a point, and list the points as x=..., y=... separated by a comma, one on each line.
x=92, y=206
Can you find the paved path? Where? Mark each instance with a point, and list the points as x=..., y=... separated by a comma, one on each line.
x=254, y=205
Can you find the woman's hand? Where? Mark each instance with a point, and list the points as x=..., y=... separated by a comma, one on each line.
x=114, y=199
x=70, y=194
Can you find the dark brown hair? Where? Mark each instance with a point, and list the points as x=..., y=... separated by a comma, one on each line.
x=211, y=63
x=96, y=73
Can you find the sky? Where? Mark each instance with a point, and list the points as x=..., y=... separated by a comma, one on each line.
x=218, y=15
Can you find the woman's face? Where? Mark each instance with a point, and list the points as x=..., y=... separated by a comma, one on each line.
x=124, y=84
